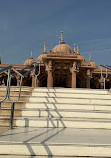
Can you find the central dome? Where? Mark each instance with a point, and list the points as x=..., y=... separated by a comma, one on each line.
x=62, y=48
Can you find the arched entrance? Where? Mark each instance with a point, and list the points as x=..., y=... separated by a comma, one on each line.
x=62, y=78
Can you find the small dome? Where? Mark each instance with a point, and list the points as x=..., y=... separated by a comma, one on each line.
x=62, y=48
x=81, y=57
x=39, y=59
x=93, y=64
x=29, y=61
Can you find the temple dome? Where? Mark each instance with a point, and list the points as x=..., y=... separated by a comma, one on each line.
x=39, y=59
x=29, y=61
x=93, y=64
x=62, y=48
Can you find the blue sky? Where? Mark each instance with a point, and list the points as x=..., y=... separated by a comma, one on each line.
x=26, y=24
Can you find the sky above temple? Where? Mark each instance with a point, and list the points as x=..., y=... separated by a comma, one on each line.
x=26, y=24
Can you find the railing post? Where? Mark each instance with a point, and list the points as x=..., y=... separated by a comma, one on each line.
x=12, y=115
x=35, y=80
x=8, y=87
x=104, y=83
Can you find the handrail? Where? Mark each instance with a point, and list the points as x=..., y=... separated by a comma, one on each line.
x=37, y=76
x=6, y=87
x=17, y=72
x=109, y=67
x=5, y=69
x=23, y=68
x=14, y=101
x=9, y=68
x=29, y=71
x=8, y=80
x=104, y=78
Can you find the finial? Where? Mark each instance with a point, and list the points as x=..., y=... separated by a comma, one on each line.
x=90, y=58
x=74, y=48
x=44, y=46
x=77, y=49
x=31, y=54
x=62, y=39
x=59, y=40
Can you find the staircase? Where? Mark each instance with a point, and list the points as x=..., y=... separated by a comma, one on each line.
x=74, y=108
x=60, y=122
x=5, y=110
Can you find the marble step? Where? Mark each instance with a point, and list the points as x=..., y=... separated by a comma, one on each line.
x=82, y=123
x=64, y=113
x=16, y=88
x=18, y=105
x=69, y=100
x=57, y=113
x=72, y=90
x=63, y=106
x=7, y=112
x=71, y=95
x=15, y=92
x=14, y=97
x=5, y=121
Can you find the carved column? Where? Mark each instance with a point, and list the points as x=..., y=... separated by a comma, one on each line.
x=18, y=80
x=88, y=76
x=74, y=75
x=33, y=81
x=101, y=80
x=33, y=78
x=49, y=79
x=49, y=74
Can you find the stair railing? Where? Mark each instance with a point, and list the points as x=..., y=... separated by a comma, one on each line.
x=104, y=78
x=9, y=85
x=36, y=76
x=13, y=102
x=5, y=70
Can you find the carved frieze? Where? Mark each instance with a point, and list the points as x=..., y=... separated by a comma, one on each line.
x=48, y=65
x=74, y=67
x=88, y=73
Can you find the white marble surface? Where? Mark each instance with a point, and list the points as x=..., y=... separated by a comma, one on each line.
x=57, y=136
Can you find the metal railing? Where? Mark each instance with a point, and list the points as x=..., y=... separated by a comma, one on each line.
x=107, y=67
x=9, y=68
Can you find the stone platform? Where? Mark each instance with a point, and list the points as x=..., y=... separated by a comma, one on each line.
x=61, y=142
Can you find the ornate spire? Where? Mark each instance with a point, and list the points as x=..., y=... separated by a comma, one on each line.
x=59, y=40
x=31, y=54
x=74, y=48
x=78, y=51
x=77, y=48
x=90, y=58
x=62, y=39
x=44, y=47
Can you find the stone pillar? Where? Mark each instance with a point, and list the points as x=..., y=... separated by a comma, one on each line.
x=101, y=82
x=49, y=74
x=18, y=80
x=73, y=71
x=32, y=75
x=73, y=79
x=33, y=80
x=88, y=74
x=49, y=79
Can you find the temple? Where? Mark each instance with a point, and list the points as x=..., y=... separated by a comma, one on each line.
x=62, y=67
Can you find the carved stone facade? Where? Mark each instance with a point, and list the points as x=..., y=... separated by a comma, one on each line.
x=62, y=67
